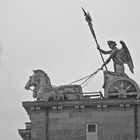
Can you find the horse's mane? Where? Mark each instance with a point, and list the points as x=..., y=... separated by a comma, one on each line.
x=45, y=74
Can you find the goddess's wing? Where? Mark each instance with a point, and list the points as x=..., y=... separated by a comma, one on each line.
x=125, y=56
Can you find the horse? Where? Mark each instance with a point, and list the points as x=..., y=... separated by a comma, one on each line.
x=44, y=90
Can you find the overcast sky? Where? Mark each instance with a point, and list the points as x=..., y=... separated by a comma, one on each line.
x=52, y=35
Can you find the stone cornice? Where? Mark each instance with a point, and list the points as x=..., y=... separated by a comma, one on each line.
x=37, y=105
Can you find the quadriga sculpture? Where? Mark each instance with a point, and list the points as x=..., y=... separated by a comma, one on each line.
x=43, y=90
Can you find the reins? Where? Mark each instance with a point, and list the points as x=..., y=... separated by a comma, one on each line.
x=86, y=79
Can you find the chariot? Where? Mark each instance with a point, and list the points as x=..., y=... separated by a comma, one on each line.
x=119, y=86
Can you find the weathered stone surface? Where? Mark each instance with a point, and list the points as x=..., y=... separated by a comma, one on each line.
x=58, y=115
x=80, y=115
x=66, y=134
x=38, y=124
x=38, y=116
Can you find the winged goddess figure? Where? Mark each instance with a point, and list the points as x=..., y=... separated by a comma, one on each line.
x=119, y=56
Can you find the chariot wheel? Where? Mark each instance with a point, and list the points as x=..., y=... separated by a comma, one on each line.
x=122, y=87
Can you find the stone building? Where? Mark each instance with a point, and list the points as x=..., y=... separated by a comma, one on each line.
x=114, y=116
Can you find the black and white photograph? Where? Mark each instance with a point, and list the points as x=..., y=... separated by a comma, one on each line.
x=70, y=69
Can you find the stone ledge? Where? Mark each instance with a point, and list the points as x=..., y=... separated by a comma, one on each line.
x=24, y=133
x=80, y=102
x=38, y=105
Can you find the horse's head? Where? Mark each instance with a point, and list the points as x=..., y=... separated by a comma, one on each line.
x=41, y=78
x=28, y=84
x=33, y=81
